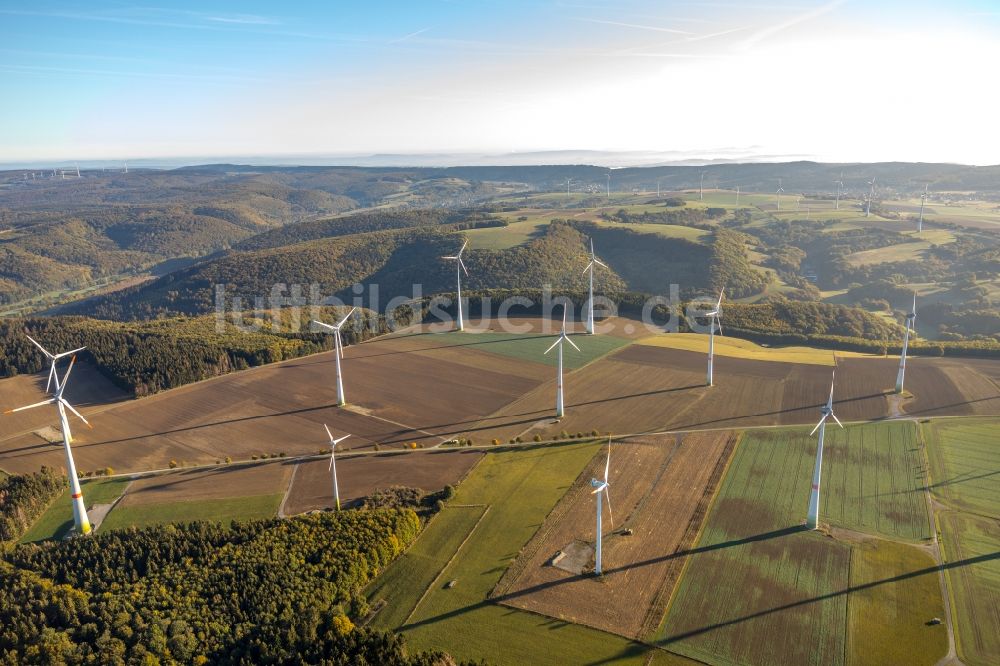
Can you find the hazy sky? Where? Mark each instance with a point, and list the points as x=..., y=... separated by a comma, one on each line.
x=842, y=80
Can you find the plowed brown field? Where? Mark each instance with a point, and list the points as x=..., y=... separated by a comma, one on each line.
x=661, y=488
x=358, y=476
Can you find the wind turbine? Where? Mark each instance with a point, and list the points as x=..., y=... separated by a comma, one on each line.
x=777, y=194
x=333, y=463
x=871, y=195
x=812, y=520
x=609, y=184
x=737, y=196
x=338, y=351
x=80, y=519
x=126, y=166
x=713, y=322
x=910, y=321
x=459, y=267
x=920, y=221
x=701, y=187
x=601, y=490
x=53, y=358
x=592, y=266
x=658, y=187
x=77, y=170
x=840, y=186
x=559, y=380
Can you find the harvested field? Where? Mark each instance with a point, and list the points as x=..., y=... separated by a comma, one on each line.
x=207, y=484
x=89, y=391
x=661, y=488
x=648, y=388
x=965, y=464
x=358, y=476
x=397, y=394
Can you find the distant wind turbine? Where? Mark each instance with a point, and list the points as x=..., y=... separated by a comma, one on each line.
x=911, y=319
x=658, y=187
x=77, y=170
x=920, y=220
x=80, y=519
x=332, y=467
x=592, y=266
x=459, y=267
x=812, y=520
x=609, y=184
x=737, y=196
x=560, y=404
x=701, y=187
x=601, y=490
x=713, y=322
x=840, y=187
x=338, y=351
x=126, y=166
x=871, y=195
x=777, y=194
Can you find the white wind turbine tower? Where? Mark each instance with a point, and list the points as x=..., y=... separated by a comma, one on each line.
x=338, y=351
x=920, y=220
x=840, y=186
x=737, y=196
x=459, y=267
x=609, y=184
x=701, y=187
x=871, y=195
x=777, y=194
x=601, y=490
x=560, y=405
x=592, y=266
x=126, y=166
x=812, y=520
x=911, y=319
x=77, y=170
x=713, y=322
x=333, y=463
x=80, y=519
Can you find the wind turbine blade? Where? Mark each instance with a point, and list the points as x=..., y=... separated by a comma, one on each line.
x=449, y=257
x=330, y=466
x=44, y=350
x=73, y=409
x=52, y=372
x=588, y=267
x=65, y=378
x=571, y=342
x=836, y=419
x=340, y=439
x=37, y=404
x=462, y=264
x=607, y=496
x=338, y=343
x=558, y=340
x=718, y=305
x=600, y=263
x=328, y=433
x=346, y=317
x=69, y=353
x=564, y=320
x=818, y=425
x=598, y=489
x=328, y=327
x=464, y=245
x=607, y=465
x=718, y=322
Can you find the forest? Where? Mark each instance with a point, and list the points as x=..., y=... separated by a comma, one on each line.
x=24, y=497
x=258, y=592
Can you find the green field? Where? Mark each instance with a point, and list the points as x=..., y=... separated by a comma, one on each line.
x=58, y=518
x=532, y=346
x=756, y=572
x=214, y=510
x=965, y=464
x=895, y=590
x=521, y=487
x=965, y=469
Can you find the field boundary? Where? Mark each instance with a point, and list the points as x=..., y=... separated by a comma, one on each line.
x=701, y=529
x=657, y=610
x=430, y=586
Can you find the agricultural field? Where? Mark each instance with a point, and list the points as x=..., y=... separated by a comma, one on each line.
x=400, y=389
x=661, y=488
x=214, y=510
x=359, y=476
x=58, y=518
x=800, y=587
x=965, y=465
x=512, y=491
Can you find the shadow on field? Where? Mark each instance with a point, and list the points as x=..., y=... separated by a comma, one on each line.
x=926, y=571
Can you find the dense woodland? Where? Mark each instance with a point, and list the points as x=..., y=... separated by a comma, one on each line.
x=259, y=592
x=24, y=497
x=147, y=357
